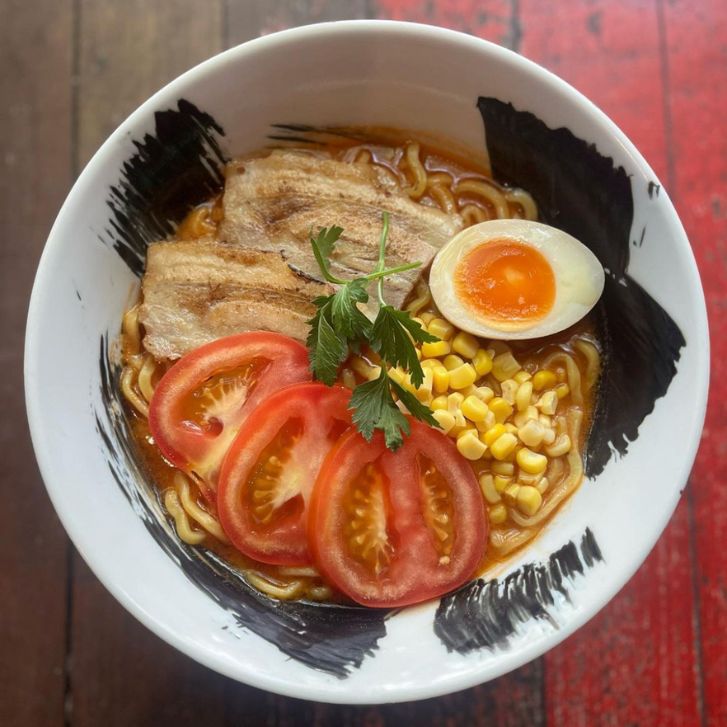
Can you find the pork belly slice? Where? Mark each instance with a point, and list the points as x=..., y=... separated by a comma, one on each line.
x=196, y=292
x=278, y=200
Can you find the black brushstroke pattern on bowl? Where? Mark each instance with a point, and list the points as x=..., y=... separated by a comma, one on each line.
x=181, y=166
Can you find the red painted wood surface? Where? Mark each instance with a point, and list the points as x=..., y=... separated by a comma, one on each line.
x=695, y=55
x=656, y=655
x=635, y=662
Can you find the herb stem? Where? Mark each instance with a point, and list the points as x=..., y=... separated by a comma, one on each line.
x=382, y=253
x=391, y=271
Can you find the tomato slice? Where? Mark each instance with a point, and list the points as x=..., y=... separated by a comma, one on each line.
x=201, y=402
x=396, y=528
x=269, y=471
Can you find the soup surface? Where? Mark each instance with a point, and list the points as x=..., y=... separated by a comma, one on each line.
x=519, y=412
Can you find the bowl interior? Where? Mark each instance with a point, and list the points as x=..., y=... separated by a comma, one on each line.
x=543, y=136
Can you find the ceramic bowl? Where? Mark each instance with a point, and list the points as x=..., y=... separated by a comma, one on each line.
x=542, y=135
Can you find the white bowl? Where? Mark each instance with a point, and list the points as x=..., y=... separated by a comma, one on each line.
x=389, y=74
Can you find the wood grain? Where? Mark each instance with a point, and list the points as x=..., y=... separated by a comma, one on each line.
x=635, y=663
x=35, y=128
x=655, y=655
x=251, y=19
x=121, y=674
x=695, y=57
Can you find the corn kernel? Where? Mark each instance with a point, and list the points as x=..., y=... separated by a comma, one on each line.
x=452, y=362
x=549, y=436
x=503, y=468
x=520, y=419
x=492, y=434
x=431, y=363
x=406, y=384
x=504, y=445
x=509, y=388
x=501, y=482
x=465, y=344
x=459, y=421
x=548, y=402
x=469, y=445
x=462, y=377
x=454, y=401
x=427, y=318
x=510, y=493
x=510, y=428
x=560, y=447
x=522, y=376
x=485, y=393
x=525, y=478
x=530, y=461
x=396, y=374
x=504, y=366
x=487, y=485
x=562, y=390
x=546, y=421
x=522, y=397
x=419, y=320
x=482, y=361
x=490, y=420
x=528, y=500
x=424, y=392
x=439, y=402
x=474, y=409
x=440, y=328
x=531, y=433
x=364, y=369
x=532, y=412
x=433, y=350
x=500, y=408
x=348, y=379
x=444, y=419
x=498, y=514
x=441, y=379
x=544, y=379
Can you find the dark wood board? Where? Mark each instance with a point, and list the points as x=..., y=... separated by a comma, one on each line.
x=35, y=159
x=71, y=655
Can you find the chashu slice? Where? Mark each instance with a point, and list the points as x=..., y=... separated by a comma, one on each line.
x=195, y=292
x=278, y=200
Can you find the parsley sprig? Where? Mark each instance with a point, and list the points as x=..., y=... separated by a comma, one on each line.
x=339, y=328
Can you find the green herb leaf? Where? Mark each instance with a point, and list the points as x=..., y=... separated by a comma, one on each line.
x=416, y=408
x=345, y=314
x=327, y=349
x=375, y=408
x=339, y=327
x=390, y=340
x=323, y=246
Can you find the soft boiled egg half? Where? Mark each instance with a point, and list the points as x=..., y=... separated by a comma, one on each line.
x=515, y=279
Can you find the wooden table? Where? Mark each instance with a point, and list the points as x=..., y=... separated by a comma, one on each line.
x=70, y=71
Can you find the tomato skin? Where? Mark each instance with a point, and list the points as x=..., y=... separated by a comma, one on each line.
x=319, y=414
x=189, y=447
x=416, y=572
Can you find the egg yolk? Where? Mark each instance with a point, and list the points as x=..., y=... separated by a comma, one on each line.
x=506, y=280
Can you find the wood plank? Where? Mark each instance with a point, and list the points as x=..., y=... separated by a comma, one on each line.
x=248, y=20
x=634, y=663
x=695, y=48
x=494, y=20
x=36, y=159
x=130, y=50
x=122, y=674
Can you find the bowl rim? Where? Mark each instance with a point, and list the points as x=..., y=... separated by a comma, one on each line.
x=376, y=693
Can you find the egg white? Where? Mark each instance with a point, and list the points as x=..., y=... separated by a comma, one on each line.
x=579, y=279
